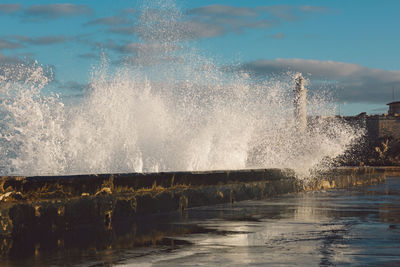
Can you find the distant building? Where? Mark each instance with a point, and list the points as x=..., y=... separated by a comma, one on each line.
x=381, y=126
x=381, y=145
x=394, y=108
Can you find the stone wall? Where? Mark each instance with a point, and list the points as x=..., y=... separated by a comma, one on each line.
x=383, y=127
x=34, y=207
x=381, y=145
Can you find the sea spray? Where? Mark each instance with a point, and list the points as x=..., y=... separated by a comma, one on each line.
x=165, y=108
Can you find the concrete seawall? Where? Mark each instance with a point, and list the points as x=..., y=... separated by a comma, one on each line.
x=48, y=207
x=391, y=170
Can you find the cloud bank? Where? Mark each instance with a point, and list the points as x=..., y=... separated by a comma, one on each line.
x=5, y=44
x=42, y=40
x=54, y=11
x=238, y=19
x=110, y=21
x=9, y=8
x=213, y=20
x=354, y=82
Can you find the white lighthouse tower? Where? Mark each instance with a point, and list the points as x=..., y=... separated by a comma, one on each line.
x=300, y=103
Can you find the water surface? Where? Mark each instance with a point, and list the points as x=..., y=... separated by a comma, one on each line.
x=337, y=227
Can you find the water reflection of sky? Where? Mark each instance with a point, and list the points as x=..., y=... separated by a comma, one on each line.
x=356, y=227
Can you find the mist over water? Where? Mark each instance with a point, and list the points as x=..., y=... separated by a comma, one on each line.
x=167, y=108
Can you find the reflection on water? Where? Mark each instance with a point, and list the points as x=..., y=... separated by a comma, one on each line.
x=338, y=227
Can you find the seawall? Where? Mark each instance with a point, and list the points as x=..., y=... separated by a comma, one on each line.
x=48, y=207
x=391, y=170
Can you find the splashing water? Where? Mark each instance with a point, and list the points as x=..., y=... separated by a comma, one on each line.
x=168, y=108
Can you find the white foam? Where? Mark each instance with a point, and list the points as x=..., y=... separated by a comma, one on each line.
x=170, y=108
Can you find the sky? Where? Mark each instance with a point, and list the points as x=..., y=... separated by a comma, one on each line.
x=350, y=45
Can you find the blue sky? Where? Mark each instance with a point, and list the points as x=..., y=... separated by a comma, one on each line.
x=353, y=44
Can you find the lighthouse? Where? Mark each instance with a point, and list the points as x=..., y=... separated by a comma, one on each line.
x=300, y=103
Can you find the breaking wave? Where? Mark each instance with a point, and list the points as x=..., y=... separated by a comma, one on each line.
x=167, y=108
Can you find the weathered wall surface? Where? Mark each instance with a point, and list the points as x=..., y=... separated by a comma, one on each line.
x=381, y=146
x=389, y=128
x=36, y=208
x=382, y=126
x=391, y=170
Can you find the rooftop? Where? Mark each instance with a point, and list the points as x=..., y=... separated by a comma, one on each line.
x=393, y=103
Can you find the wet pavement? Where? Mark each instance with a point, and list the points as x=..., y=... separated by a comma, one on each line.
x=358, y=226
